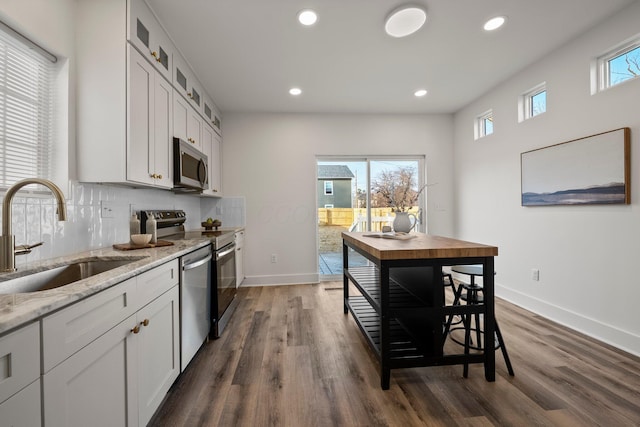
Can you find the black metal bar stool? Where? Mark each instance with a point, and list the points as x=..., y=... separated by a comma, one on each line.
x=472, y=296
x=447, y=282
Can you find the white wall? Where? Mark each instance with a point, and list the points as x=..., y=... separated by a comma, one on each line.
x=271, y=160
x=586, y=254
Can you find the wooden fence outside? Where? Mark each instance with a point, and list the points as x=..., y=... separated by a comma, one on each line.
x=347, y=217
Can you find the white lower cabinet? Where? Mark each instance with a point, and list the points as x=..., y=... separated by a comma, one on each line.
x=23, y=409
x=239, y=238
x=158, y=352
x=96, y=386
x=20, y=377
x=121, y=376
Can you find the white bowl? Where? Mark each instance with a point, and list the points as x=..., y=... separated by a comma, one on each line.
x=140, y=239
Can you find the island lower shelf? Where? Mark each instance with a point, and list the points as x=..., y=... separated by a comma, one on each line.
x=415, y=334
x=403, y=347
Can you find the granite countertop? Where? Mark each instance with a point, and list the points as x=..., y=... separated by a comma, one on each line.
x=20, y=308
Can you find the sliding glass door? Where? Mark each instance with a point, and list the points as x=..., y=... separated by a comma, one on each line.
x=363, y=194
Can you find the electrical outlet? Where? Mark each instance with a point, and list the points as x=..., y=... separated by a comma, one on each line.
x=106, y=210
x=274, y=258
x=535, y=274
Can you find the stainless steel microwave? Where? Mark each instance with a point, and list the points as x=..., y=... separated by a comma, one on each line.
x=190, y=167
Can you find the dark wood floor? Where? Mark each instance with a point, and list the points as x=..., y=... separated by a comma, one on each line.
x=290, y=357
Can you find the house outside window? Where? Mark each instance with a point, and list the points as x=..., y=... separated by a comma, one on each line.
x=618, y=65
x=335, y=186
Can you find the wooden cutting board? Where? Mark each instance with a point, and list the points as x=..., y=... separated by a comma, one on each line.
x=131, y=246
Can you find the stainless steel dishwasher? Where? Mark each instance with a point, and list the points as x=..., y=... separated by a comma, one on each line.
x=195, y=302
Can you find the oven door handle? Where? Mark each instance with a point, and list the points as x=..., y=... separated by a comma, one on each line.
x=197, y=263
x=225, y=253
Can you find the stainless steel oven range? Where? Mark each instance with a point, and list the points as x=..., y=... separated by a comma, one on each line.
x=225, y=282
x=222, y=286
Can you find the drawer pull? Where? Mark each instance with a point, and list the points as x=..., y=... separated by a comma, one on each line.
x=145, y=322
x=135, y=329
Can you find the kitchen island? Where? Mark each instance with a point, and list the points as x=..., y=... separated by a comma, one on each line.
x=402, y=309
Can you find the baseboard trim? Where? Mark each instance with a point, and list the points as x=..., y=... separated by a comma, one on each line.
x=283, y=279
x=621, y=339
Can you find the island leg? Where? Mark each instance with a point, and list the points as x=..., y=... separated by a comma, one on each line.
x=345, y=279
x=489, y=320
x=385, y=338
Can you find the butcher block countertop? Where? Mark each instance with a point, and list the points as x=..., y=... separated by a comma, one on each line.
x=422, y=246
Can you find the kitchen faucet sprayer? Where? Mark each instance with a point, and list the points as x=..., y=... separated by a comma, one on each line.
x=8, y=250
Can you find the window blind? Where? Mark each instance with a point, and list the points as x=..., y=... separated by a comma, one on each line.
x=26, y=110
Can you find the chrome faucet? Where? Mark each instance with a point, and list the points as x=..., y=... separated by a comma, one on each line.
x=8, y=249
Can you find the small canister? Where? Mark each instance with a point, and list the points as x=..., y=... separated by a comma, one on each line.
x=152, y=227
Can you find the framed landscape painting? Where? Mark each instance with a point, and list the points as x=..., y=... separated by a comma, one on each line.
x=590, y=170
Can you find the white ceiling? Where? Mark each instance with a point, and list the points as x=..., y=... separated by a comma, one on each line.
x=248, y=53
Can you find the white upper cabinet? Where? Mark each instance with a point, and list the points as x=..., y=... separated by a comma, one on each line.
x=146, y=34
x=128, y=75
x=187, y=85
x=150, y=124
x=187, y=123
x=211, y=147
x=215, y=168
x=211, y=114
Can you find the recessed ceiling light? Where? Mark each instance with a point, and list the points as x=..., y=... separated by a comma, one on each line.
x=494, y=23
x=307, y=17
x=295, y=91
x=405, y=20
x=420, y=92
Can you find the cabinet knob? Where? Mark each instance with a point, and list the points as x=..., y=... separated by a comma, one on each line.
x=155, y=55
x=189, y=95
x=135, y=329
x=153, y=175
x=159, y=177
x=145, y=322
x=191, y=140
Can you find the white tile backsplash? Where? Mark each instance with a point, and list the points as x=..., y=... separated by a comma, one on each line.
x=230, y=210
x=34, y=218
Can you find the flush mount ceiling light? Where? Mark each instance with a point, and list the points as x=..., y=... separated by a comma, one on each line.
x=494, y=23
x=420, y=93
x=307, y=17
x=405, y=20
x=295, y=91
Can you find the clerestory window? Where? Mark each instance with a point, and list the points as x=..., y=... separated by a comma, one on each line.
x=616, y=66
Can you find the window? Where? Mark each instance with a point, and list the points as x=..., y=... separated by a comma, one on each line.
x=26, y=109
x=328, y=188
x=484, y=124
x=616, y=66
x=532, y=102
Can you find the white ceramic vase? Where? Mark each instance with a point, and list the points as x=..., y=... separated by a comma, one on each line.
x=403, y=222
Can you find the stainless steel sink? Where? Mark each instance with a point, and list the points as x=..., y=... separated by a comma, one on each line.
x=60, y=276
